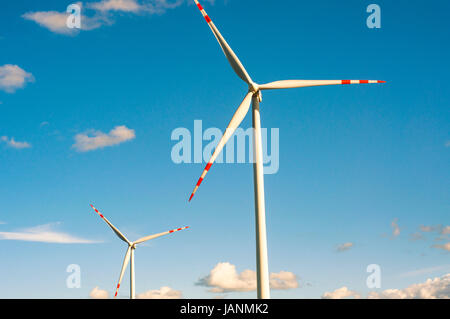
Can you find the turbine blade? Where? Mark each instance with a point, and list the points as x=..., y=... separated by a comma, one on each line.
x=116, y=231
x=147, y=238
x=229, y=53
x=122, y=271
x=237, y=119
x=289, y=84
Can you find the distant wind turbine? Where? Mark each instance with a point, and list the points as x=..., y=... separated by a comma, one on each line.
x=254, y=97
x=130, y=252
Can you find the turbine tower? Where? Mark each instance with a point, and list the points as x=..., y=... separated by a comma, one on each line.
x=129, y=256
x=254, y=97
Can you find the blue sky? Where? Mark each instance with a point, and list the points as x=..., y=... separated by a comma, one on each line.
x=353, y=159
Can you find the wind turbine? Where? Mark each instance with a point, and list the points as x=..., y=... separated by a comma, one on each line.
x=254, y=97
x=130, y=251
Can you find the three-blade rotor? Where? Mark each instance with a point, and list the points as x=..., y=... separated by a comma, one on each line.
x=131, y=245
x=254, y=89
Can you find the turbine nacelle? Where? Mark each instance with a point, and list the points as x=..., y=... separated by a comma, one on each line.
x=254, y=88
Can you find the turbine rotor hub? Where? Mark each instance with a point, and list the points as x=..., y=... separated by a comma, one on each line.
x=253, y=87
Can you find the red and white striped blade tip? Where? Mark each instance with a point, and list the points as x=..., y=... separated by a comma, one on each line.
x=117, y=291
x=182, y=228
x=200, y=180
x=205, y=15
x=362, y=81
x=96, y=210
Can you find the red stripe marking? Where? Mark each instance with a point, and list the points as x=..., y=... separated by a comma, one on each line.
x=364, y=81
x=179, y=229
x=208, y=166
x=208, y=19
x=101, y=216
x=381, y=81
x=192, y=195
x=199, y=181
x=200, y=6
x=115, y=295
x=346, y=81
x=118, y=286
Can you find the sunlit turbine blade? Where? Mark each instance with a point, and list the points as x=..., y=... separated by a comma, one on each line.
x=289, y=84
x=237, y=119
x=229, y=53
x=147, y=238
x=116, y=231
x=124, y=267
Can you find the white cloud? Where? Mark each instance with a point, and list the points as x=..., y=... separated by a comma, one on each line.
x=13, y=77
x=13, y=143
x=52, y=20
x=162, y=293
x=447, y=144
x=57, y=21
x=117, y=5
x=283, y=280
x=225, y=278
x=341, y=293
x=94, y=140
x=100, y=13
x=395, y=228
x=98, y=293
x=44, y=234
x=437, y=288
x=344, y=247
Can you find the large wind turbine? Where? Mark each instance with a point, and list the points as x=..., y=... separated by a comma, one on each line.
x=130, y=252
x=254, y=97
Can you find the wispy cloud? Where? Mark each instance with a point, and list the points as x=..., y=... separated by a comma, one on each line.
x=225, y=278
x=344, y=247
x=11, y=142
x=162, y=293
x=57, y=21
x=44, y=234
x=424, y=271
x=93, y=140
x=116, y=5
x=100, y=13
x=442, y=231
x=395, y=228
x=445, y=246
x=447, y=144
x=416, y=236
x=437, y=288
x=13, y=77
